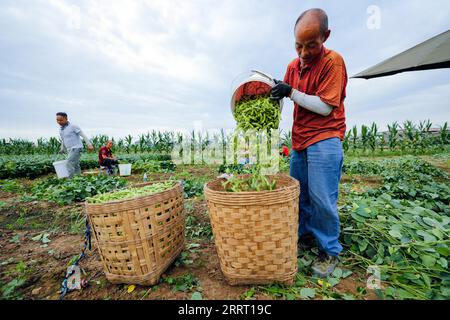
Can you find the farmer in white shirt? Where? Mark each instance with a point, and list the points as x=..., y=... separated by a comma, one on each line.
x=70, y=141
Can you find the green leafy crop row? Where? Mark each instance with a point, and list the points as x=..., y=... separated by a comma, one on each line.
x=67, y=191
x=32, y=166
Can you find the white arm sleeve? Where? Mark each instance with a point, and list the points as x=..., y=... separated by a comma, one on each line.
x=85, y=138
x=312, y=103
x=62, y=148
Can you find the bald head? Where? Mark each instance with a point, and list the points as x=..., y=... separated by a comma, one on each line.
x=311, y=31
x=313, y=17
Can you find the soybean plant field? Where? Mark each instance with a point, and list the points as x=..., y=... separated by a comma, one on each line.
x=33, y=166
x=394, y=207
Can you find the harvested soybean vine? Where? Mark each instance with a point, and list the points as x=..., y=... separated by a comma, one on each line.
x=131, y=193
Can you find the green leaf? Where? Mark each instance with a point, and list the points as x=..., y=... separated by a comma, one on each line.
x=9, y=288
x=37, y=238
x=445, y=292
x=386, y=197
x=426, y=236
x=346, y=273
x=300, y=280
x=380, y=250
x=428, y=261
x=363, y=245
x=403, y=294
x=426, y=280
x=411, y=276
x=181, y=287
x=45, y=238
x=196, y=296
x=307, y=293
x=333, y=281
x=443, y=262
x=364, y=211
x=395, y=233
x=379, y=260
x=390, y=291
x=431, y=222
x=15, y=239
x=304, y=262
x=337, y=273
x=437, y=233
x=445, y=251
x=357, y=217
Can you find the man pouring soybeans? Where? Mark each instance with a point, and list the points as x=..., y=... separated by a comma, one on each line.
x=316, y=82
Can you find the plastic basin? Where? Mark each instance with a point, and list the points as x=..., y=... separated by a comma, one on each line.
x=61, y=169
x=125, y=169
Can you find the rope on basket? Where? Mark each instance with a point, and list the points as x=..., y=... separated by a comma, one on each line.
x=87, y=243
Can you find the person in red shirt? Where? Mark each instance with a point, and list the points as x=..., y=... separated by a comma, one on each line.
x=105, y=156
x=316, y=82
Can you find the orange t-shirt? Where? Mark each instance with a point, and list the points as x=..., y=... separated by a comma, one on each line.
x=325, y=77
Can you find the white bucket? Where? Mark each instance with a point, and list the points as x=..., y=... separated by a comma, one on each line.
x=125, y=169
x=258, y=78
x=61, y=169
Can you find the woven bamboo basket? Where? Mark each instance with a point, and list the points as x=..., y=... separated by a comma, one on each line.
x=256, y=232
x=139, y=238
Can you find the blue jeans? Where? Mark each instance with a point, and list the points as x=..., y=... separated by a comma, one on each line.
x=318, y=168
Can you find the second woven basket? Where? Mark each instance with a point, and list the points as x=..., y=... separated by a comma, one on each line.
x=256, y=232
x=139, y=238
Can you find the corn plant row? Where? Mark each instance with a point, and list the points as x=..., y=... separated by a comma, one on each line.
x=408, y=137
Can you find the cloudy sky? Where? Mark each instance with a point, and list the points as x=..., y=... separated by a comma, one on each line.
x=126, y=67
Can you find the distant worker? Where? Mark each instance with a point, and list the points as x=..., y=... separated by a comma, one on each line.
x=71, y=142
x=105, y=157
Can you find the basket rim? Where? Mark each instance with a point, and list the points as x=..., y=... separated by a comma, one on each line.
x=176, y=182
x=206, y=187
